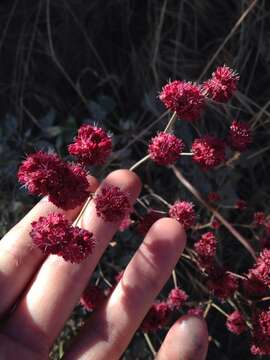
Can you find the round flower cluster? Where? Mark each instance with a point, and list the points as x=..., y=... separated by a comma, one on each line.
x=112, y=204
x=185, y=98
x=259, y=218
x=156, y=318
x=47, y=174
x=207, y=245
x=92, y=297
x=165, y=149
x=240, y=136
x=261, y=333
x=176, y=298
x=183, y=211
x=222, y=284
x=208, y=152
x=261, y=270
x=92, y=146
x=235, y=323
x=54, y=234
x=222, y=84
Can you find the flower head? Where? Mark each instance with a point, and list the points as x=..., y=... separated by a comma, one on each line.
x=147, y=221
x=261, y=333
x=112, y=204
x=185, y=98
x=176, y=298
x=253, y=287
x=165, y=148
x=92, y=298
x=47, y=174
x=92, y=146
x=259, y=218
x=208, y=151
x=261, y=270
x=240, y=136
x=236, y=323
x=156, y=318
x=241, y=204
x=54, y=234
x=207, y=245
x=183, y=211
x=222, y=85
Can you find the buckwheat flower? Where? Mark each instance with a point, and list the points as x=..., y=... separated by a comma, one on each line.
x=54, y=234
x=112, y=204
x=183, y=211
x=207, y=245
x=213, y=197
x=222, y=85
x=92, y=298
x=222, y=284
x=125, y=223
x=165, y=149
x=92, y=145
x=240, y=136
x=46, y=174
x=80, y=246
x=147, y=221
x=253, y=287
x=261, y=333
x=261, y=270
x=156, y=318
x=215, y=223
x=185, y=98
x=241, y=204
x=51, y=233
x=235, y=323
x=176, y=299
x=208, y=152
x=259, y=218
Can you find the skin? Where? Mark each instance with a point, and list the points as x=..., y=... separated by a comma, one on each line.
x=45, y=290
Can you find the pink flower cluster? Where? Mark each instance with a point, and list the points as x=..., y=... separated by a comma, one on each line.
x=236, y=323
x=54, y=234
x=261, y=333
x=183, y=211
x=92, y=298
x=206, y=246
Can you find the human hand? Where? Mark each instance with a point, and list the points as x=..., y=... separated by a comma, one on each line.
x=45, y=290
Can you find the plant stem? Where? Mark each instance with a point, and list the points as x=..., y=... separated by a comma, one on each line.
x=171, y=122
x=140, y=162
x=200, y=198
x=82, y=211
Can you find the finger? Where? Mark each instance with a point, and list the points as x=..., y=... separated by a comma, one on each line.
x=187, y=339
x=59, y=284
x=109, y=331
x=19, y=259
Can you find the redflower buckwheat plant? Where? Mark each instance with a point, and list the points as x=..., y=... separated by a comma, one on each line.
x=238, y=291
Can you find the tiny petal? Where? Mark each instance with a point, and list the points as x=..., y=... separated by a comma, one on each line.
x=165, y=149
x=185, y=98
x=183, y=211
x=92, y=146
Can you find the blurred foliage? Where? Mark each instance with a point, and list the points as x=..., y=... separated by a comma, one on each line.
x=68, y=62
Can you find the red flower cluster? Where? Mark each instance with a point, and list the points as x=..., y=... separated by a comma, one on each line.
x=176, y=299
x=198, y=311
x=183, y=212
x=147, y=221
x=259, y=218
x=241, y=204
x=240, y=136
x=208, y=151
x=185, y=98
x=92, y=146
x=165, y=149
x=156, y=318
x=125, y=223
x=213, y=197
x=261, y=270
x=112, y=204
x=92, y=298
x=54, y=234
x=235, y=323
x=222, y=85
x=222, y=284
x=253, y=287
x=261, y=333
x=47, y=174
x=207, y=245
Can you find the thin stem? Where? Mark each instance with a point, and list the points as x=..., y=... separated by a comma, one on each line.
x=186, y=154
x=207, y=309
x=140, y=162
x=150, y=345
x=82, y=211
x=171, y=122
x=200, y=198
x=220, y=310
x=174, y=278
